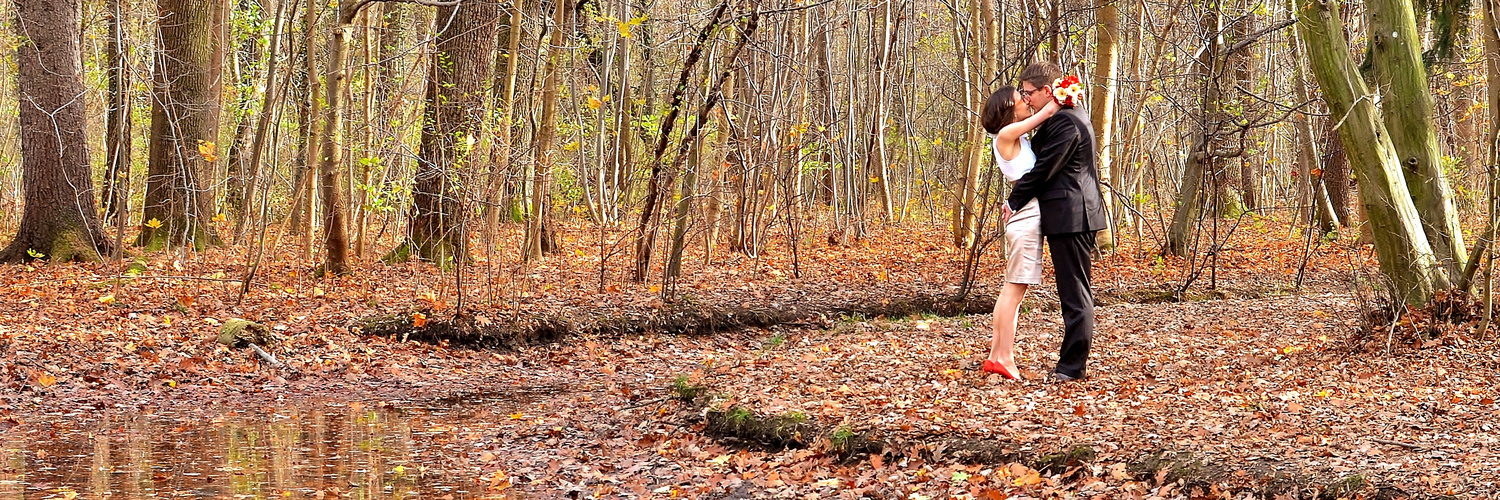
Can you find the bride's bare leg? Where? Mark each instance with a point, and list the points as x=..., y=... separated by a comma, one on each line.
x=1007, y=312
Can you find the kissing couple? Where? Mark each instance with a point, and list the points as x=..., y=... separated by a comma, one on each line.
x=1055, y=194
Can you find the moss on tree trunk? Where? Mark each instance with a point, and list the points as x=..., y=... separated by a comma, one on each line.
x=184, y=125
x=61, y=219
x=1400, y=242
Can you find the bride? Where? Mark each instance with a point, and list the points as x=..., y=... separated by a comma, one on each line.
x=1008, y=119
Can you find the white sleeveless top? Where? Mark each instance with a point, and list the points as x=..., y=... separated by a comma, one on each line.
x=1013, y=169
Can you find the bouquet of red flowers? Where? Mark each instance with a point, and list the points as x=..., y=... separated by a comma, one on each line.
x=1068, y=91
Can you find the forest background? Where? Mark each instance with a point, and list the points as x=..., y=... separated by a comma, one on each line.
x=438, y=129
x=488, y=173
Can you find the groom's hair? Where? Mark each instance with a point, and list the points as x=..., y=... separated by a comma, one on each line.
x=1041, y=74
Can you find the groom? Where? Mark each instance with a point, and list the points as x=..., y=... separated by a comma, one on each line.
x=1066, y=181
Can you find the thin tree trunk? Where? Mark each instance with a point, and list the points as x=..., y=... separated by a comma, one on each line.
x=507, y=66
x=1491, y=33
x=877, y=164
x=1102, y=109
x=1335, y=178
x=714, y=204
x=117, y=143
x=367, y=162
x=1200, y=158
x=247, y=55
x=546, y=135
x=272, y=99
x=660, y=178
x=309, y=131
x=1307, y=148
x=822, y=81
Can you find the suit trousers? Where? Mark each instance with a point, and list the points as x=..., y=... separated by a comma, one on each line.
x=1072, y=260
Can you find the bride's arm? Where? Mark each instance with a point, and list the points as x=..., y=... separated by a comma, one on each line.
x=1015, y=130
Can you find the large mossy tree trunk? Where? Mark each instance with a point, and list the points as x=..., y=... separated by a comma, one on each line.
x=61, y=220
x=1407, y=108
x=185, y=108
x=1400, y=243
x=452, y=123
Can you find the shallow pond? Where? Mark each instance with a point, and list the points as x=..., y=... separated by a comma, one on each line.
x=313, y=450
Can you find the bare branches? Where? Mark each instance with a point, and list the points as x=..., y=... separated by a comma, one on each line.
x=347, y=16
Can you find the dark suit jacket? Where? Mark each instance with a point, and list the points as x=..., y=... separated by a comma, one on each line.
x=1066, y=176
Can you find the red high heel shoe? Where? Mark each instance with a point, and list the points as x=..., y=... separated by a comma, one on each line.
x=993, y=367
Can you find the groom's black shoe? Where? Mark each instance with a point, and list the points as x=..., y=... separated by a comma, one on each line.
x=1058, y=377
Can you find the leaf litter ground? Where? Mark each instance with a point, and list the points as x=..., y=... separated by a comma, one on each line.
x=1260, y=385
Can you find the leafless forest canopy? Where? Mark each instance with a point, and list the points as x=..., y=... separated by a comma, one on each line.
x=427, y=129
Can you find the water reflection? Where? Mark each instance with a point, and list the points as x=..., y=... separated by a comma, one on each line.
x=325, y=450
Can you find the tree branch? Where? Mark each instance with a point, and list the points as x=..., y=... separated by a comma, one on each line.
x=1250, y=39
x=347, y=17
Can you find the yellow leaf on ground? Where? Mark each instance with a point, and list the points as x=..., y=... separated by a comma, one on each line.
x=46, y=380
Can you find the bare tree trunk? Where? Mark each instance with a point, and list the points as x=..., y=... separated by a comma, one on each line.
x=1102, y=109
x=1307, y=148
x=61, y=219
x=309, y=134
x=822, y=81
x=451, y=125
x=184, y=125
x=1200, y=157
x=247, y=64
x=965, y=207
x=877, y=164
x=1491, y=33
x=1335, y=176
x=507, y=66
x=546, y=133
x=117, y=143
x=268, y=105
x=372, y=15
x=335, y=236
x=661, y=178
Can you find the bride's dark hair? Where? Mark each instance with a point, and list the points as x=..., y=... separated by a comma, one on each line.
x=999, y=110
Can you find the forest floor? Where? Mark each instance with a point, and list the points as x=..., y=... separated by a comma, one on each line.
x=1254, y=386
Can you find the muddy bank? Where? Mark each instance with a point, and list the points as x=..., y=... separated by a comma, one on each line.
x=683, y=318
x=696, y=317
x=1175, y=471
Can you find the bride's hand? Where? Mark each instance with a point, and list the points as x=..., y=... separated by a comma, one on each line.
x=1052, y=106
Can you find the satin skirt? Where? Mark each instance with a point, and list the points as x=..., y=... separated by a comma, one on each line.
x=1023, y=237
